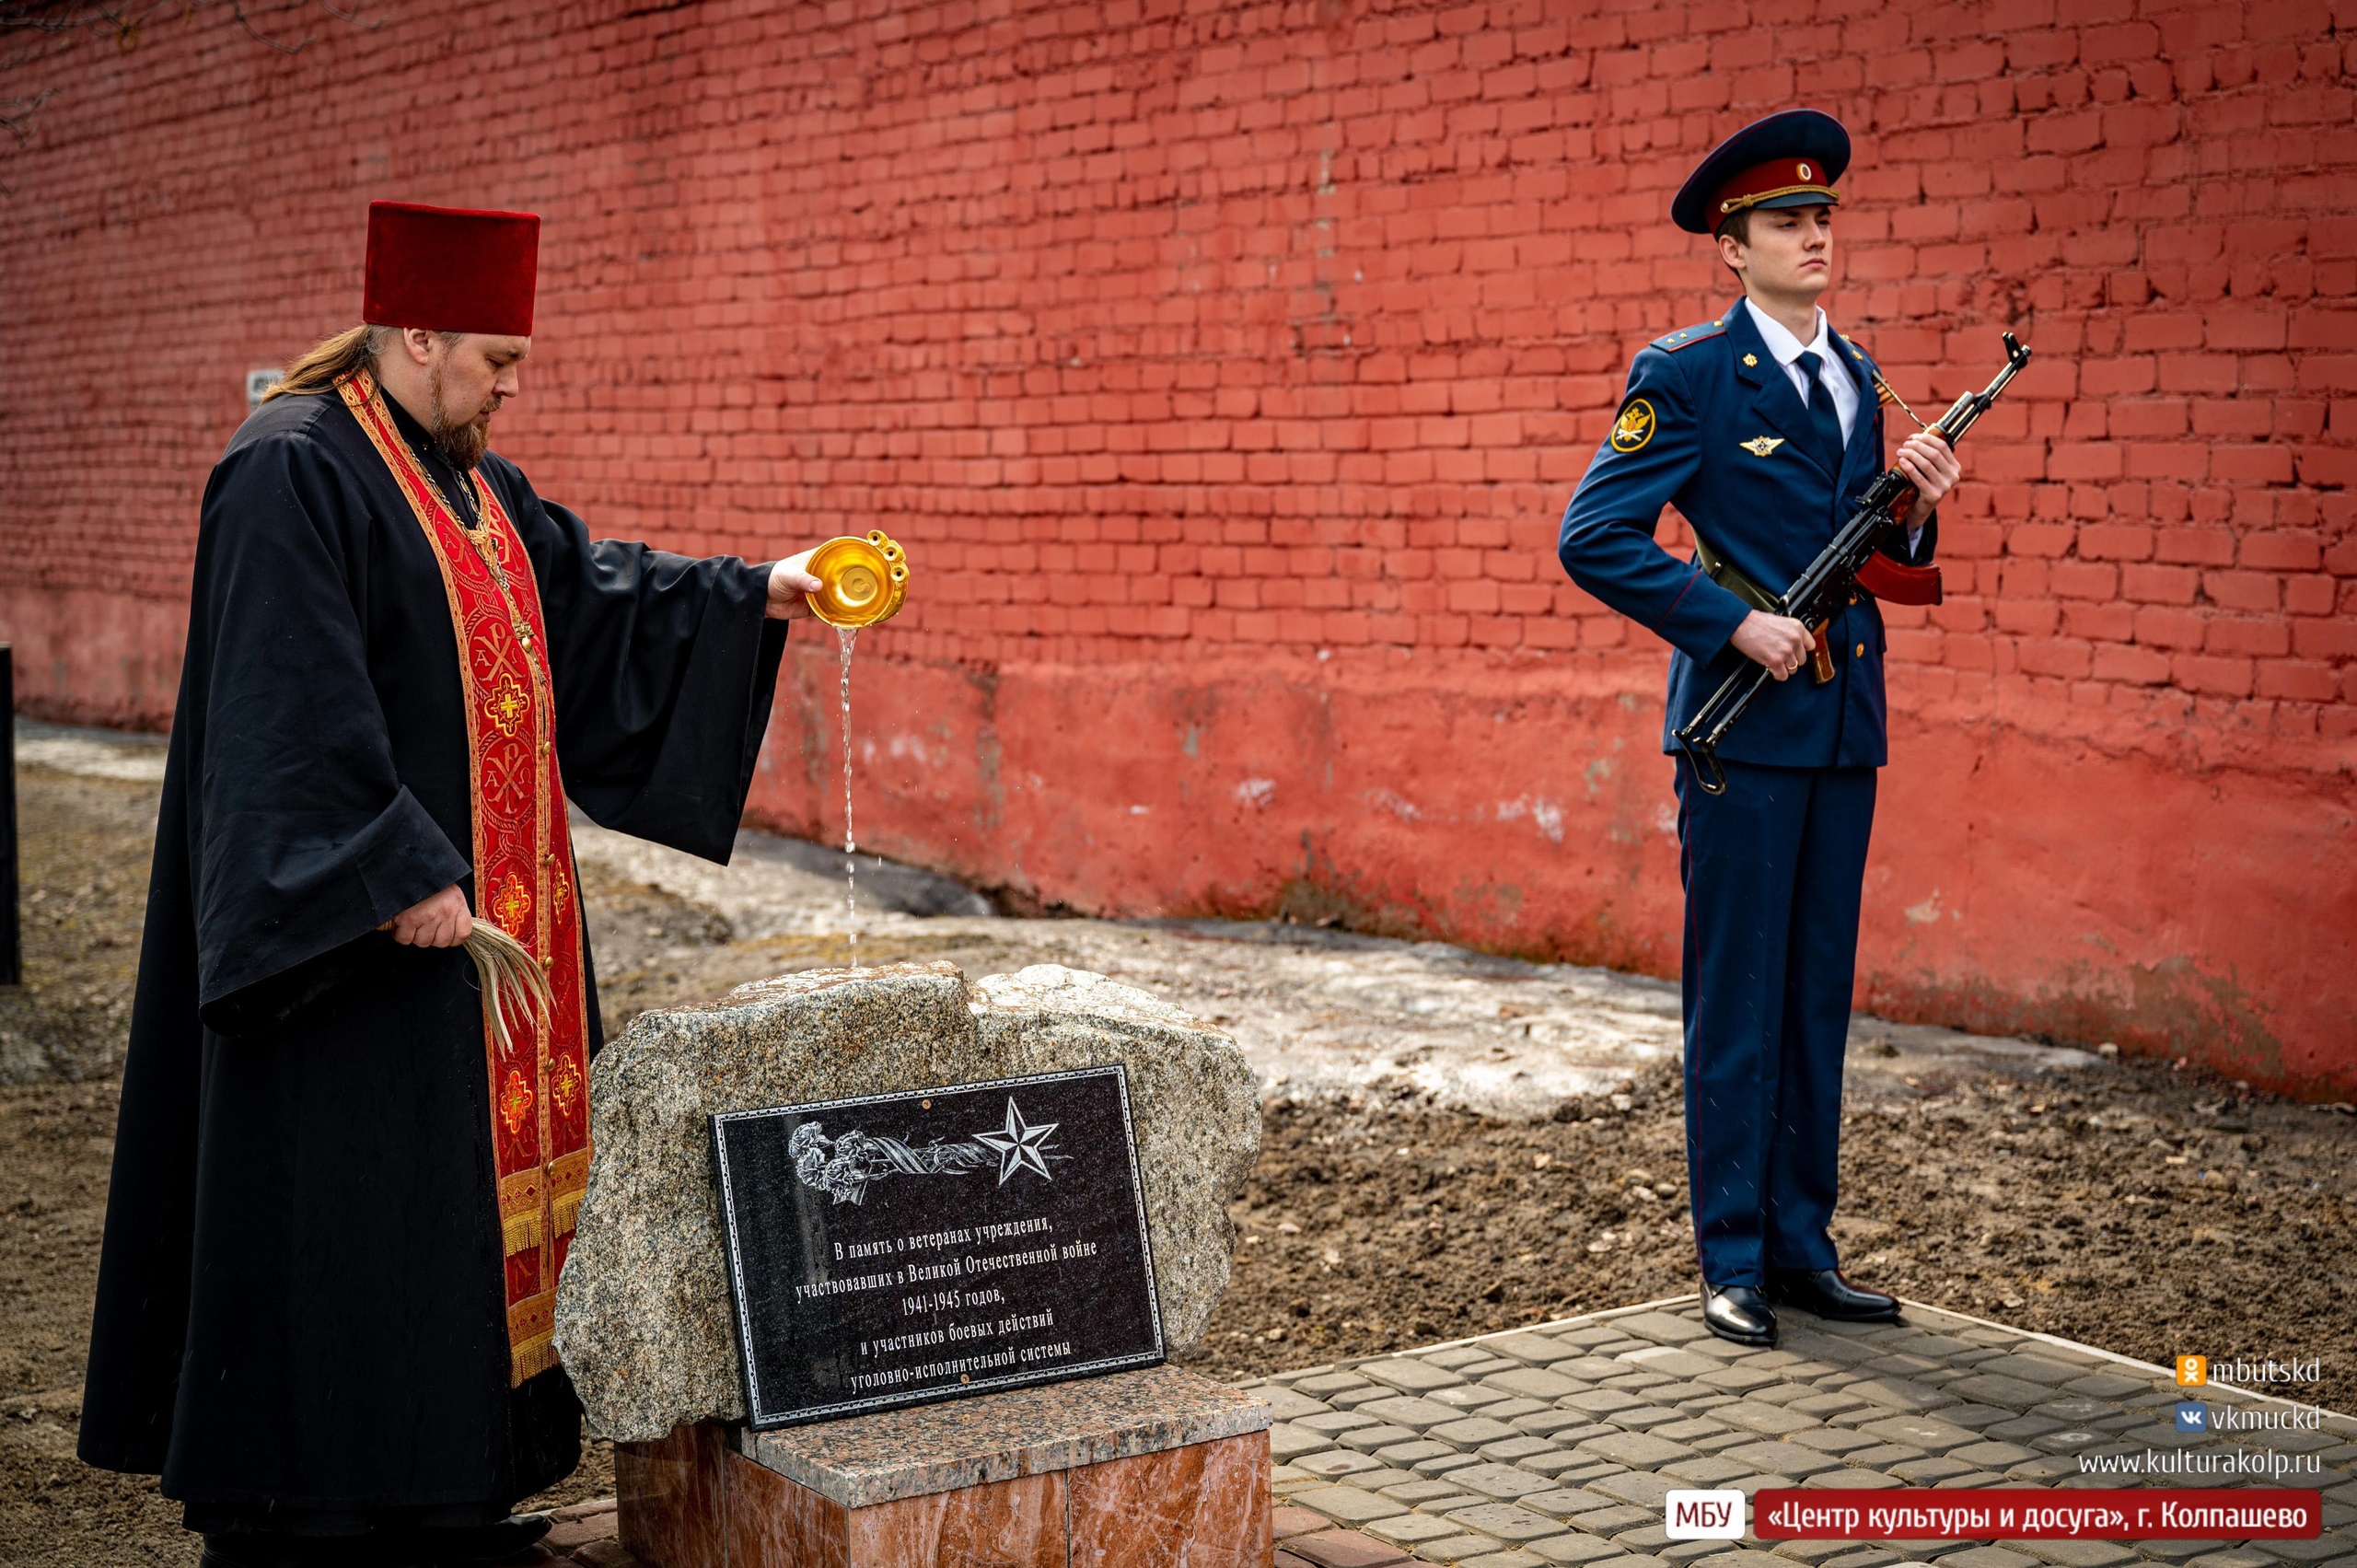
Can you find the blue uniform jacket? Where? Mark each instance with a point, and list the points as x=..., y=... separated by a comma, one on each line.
x=1711, y=425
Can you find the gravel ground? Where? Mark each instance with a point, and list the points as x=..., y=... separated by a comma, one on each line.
x=2126, y=1205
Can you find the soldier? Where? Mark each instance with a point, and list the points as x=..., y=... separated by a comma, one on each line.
x=1762, y=428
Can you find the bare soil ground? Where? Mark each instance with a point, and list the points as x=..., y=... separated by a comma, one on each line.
x=2149, y=1213
x=2143, y=1210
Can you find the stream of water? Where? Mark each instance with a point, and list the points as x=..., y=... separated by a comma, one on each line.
x=847, y=635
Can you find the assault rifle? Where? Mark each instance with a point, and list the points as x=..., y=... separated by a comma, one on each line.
x=1819, y=592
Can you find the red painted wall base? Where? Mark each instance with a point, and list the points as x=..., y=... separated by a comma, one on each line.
x=2018, y=882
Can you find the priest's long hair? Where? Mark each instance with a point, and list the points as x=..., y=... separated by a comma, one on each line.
x=332, y=359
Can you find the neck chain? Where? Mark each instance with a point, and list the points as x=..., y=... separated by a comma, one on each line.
x=485, y=542
x=469, y=518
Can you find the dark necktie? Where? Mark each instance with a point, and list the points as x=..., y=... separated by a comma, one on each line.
x=1821, y=417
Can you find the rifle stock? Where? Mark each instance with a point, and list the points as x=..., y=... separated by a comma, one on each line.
x=1825, y=583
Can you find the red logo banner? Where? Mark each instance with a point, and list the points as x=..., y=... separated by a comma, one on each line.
x=2028, y=1514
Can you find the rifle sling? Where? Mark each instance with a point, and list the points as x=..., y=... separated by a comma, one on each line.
x=1722, y=571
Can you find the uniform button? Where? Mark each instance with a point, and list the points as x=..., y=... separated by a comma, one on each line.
x=1862, y=650
x=1853, y=598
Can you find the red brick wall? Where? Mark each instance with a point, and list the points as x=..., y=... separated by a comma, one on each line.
x=1226, y=370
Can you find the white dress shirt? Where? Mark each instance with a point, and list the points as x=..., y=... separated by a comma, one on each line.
x=1786, y=350
x=1840, y=384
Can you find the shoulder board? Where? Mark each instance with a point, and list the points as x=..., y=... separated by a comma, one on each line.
x=1686, y=337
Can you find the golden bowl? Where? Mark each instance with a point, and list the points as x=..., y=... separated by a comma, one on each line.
x=862, y=581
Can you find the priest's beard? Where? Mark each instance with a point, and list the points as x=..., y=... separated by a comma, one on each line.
x=463, y=442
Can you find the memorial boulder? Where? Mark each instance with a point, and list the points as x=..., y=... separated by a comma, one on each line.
x=644, y=1314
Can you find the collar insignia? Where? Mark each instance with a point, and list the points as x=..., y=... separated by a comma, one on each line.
x=1751, y=360
x=1760, y=446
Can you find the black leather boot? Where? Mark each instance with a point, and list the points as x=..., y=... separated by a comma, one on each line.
x=1738, y=1313
x=1826, y=1294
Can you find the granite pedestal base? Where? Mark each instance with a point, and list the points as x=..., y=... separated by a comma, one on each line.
x=1152, y=1468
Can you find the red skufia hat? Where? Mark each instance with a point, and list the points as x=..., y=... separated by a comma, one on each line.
x=450, y=269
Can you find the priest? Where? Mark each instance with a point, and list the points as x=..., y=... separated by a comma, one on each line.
x=340, y=1199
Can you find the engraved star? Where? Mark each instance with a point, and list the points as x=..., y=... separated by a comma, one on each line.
x=1018, y=1144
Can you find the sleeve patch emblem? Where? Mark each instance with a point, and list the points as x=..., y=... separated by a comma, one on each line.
x=1635, y=427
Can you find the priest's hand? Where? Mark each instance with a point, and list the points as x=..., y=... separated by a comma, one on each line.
x=441, y=921
x=788, y=583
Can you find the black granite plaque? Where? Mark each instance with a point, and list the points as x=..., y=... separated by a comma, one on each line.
x=913, y=1246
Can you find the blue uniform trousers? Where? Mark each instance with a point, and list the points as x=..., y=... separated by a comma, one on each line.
x=1774, y=869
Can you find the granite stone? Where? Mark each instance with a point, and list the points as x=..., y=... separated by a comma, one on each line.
x=864, y=1460
x=1205, y=1504
x=642, y=1306
x=1195, y=1101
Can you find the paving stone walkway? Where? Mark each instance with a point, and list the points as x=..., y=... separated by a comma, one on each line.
x=1556, y=1443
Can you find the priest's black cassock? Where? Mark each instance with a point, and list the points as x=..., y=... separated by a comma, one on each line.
x=299, y=1307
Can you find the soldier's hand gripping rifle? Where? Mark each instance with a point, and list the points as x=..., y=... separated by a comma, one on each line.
x=1819, y=592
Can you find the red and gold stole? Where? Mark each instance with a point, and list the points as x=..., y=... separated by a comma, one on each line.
x=523, y=860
